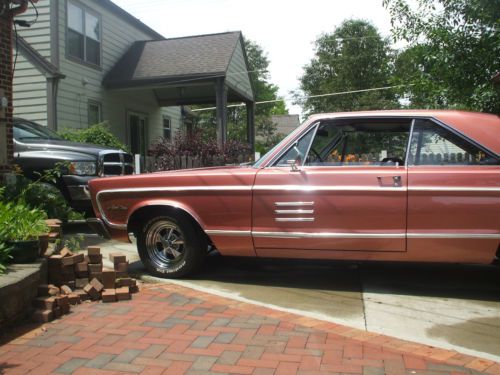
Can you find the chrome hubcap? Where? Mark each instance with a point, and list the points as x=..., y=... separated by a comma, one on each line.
x=165, y=244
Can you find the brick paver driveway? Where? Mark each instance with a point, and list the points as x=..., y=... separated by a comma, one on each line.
x=170, y=329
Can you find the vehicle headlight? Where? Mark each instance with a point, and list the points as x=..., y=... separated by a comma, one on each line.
x=83, y=168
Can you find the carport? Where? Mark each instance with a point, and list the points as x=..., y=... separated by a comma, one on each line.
x=205, y=69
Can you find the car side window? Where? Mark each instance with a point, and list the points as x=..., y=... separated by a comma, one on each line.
x=361, y=142
x=432, y=144
x=297, y=151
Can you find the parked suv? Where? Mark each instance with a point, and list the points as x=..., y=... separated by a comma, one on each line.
x=37, y=148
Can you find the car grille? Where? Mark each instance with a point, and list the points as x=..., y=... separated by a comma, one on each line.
x=112, y=163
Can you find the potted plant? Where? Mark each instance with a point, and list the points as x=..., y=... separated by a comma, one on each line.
x=21, y=226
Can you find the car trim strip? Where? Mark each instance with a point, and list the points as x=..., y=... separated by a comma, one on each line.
x=493, y=236
x=341, y=235
x=291, y=204
x=324, y=188
x=454, y=189
x=293, y=212
x=294, y=219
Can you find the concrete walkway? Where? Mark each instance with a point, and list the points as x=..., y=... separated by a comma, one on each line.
x=170, y=329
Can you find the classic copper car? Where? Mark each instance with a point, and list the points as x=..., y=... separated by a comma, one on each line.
x=419, y=186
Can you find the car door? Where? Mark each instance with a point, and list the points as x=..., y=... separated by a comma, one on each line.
x=340, y=186
x=453, y=197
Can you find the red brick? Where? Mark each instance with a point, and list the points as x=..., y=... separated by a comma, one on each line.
x=93, y=250
x=232, y=369
x=109, y=295
x=45, y=303
x=43, y=316
x=108, y=278
x=122, y=293
x=116, y=258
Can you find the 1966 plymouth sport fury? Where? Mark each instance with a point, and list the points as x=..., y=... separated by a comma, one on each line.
x=419, y=186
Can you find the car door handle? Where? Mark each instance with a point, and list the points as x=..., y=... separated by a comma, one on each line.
x=396, y=180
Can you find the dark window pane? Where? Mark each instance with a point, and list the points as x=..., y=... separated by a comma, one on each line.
x=434, y=145
x=75, y=44
x=94, y=113
x=93, y=52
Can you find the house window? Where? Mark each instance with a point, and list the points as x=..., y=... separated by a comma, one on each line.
x=83, y=35
x=167, y=128
x=94, y=113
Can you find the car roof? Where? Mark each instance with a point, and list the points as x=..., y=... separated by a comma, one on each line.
x=480, y=127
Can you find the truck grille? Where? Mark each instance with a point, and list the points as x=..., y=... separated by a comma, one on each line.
x=113, y=163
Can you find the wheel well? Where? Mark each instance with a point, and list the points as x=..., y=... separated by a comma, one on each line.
x=140, y=216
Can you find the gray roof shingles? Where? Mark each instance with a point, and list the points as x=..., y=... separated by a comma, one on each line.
x=202, y=55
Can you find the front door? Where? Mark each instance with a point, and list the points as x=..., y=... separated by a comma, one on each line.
x=340, y=186
x=138, y=136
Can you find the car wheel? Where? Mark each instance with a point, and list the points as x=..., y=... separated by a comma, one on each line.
x=171, y=247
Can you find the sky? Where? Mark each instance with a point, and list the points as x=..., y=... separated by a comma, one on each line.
x=285, y=29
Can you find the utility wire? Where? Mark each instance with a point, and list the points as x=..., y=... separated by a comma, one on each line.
x=307, y=97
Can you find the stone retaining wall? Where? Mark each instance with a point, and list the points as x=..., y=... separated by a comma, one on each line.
x=18, y=289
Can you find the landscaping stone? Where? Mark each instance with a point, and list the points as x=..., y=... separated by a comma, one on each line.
x=116, y=258
x=81, y=269
x=81, y=282
x=93, y=250
x=108, y=278
x=45, y=303
x=48, y=290
x=123, y=293
x=74, y=299
x=42, y=316
x=65, y=289
x=65, y=252
x=109, y=295
x=94, y=259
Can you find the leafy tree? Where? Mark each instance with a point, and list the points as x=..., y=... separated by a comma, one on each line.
x=353, y=57
x=453, y=51
x=258, y=65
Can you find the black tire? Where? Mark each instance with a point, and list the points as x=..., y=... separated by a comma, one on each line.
x=171, y=247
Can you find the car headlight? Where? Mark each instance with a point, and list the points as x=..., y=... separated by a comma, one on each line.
x=83, y=168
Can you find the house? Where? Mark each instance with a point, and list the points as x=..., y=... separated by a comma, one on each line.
x=83, y=62
x=285, y=124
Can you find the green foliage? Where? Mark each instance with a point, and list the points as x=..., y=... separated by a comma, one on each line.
x=19, y=222
x=353, y=57
x=454, y=50
x=73, y=242
x=4, y=257
x=41, y=193
x=258, y=66
x=98, y=134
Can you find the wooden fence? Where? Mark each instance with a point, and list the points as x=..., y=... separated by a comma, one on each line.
x=153, y=164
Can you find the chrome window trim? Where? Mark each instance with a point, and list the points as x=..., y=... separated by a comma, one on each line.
x=271, y=163
x=408, y=147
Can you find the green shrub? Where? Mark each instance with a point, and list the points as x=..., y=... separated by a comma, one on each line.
x=98, y=134
x=19, y=222
x=41, y=194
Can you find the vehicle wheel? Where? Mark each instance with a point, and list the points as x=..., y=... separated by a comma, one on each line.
x=171, y=247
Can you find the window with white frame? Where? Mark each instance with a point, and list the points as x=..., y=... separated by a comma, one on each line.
x=94, y=112
x=83, y=35
x=167, y=128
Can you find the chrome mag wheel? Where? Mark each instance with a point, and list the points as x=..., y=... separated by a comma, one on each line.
x=165, y=244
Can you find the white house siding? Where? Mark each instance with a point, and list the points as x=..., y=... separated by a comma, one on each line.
x=30, y=85
x=237, y=75
x=83, y=82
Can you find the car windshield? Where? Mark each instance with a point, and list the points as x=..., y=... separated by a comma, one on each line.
x=32, y=131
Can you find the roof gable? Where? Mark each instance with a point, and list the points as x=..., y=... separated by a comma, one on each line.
x=205, y=55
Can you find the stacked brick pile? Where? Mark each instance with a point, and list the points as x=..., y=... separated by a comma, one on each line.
x=74, y=278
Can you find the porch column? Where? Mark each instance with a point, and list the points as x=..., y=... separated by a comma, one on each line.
x=221, y=100
x=251, y=124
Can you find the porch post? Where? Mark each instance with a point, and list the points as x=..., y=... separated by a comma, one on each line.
x=251, y=124
x=221, y=100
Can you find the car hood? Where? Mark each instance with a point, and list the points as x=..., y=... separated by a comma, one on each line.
x=63, y=145
x=199, y=177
